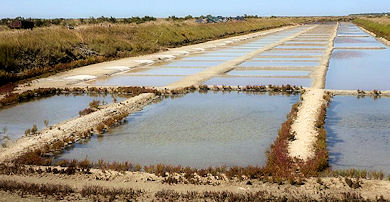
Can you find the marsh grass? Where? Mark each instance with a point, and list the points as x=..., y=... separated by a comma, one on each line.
x=378, y=26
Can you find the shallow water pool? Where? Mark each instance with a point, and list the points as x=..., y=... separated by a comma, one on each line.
x=278, y=64
x=244, y=81
x=167, y=71
x=359, y=69
x=128, y=80
x=359, y=133
x=17, y=118
x=267, y=73
x=197, y=130
x=193, y=64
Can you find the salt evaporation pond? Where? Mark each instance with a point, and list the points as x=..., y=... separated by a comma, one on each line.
x=258, y=81
x=359, y=69
x=197, y=130
x=17, y=118
x=359, y=133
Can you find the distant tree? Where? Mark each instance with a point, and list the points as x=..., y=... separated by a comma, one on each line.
x=188, y=17
x=173, y=17
x=112, y=20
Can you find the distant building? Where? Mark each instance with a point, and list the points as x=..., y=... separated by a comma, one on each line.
x=21, y=24
x=218, y=19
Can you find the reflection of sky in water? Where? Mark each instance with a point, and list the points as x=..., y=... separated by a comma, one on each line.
x=359, y=133
x=244, y=81
x=169, y=71
x=55, y=109
x=359, y=69
x=279, y=64
x=197, y=130
x=267, y=73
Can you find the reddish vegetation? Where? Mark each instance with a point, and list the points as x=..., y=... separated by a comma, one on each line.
x=279, y=161
x=282, y=165
x=7, y=88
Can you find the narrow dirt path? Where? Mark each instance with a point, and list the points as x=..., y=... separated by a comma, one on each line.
x=335, y=187
x=308, y=111
x=304, y=125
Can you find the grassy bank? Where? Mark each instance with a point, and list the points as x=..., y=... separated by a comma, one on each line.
x=379, y=26
x=29, y=53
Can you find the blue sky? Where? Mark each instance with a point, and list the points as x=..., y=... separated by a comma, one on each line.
x=164, y=8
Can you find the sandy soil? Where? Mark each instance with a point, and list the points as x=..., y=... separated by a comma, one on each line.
x=304, y=125
x=151, y=184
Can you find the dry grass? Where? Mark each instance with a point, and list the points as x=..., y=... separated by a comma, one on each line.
x=379, y=26
x=171, y=195
x=59, y=191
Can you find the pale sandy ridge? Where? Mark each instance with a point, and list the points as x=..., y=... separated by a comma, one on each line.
x=308, y=112
x=355, y=92
x=304, y=125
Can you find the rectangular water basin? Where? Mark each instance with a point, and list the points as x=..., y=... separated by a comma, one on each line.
x=357, y=42
x=279, y=64
x=267, y=73
x=292, y=53
x=359, y=133
x=56, y=109
x=359, y=69
x=234, y=50
x=306, y=42
x=193, y=64
x=197, y=130
x=225, y=54
x=287, y=59
x=167, y=71
x=127, y=80
x=301, y=47
x=244, y=81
